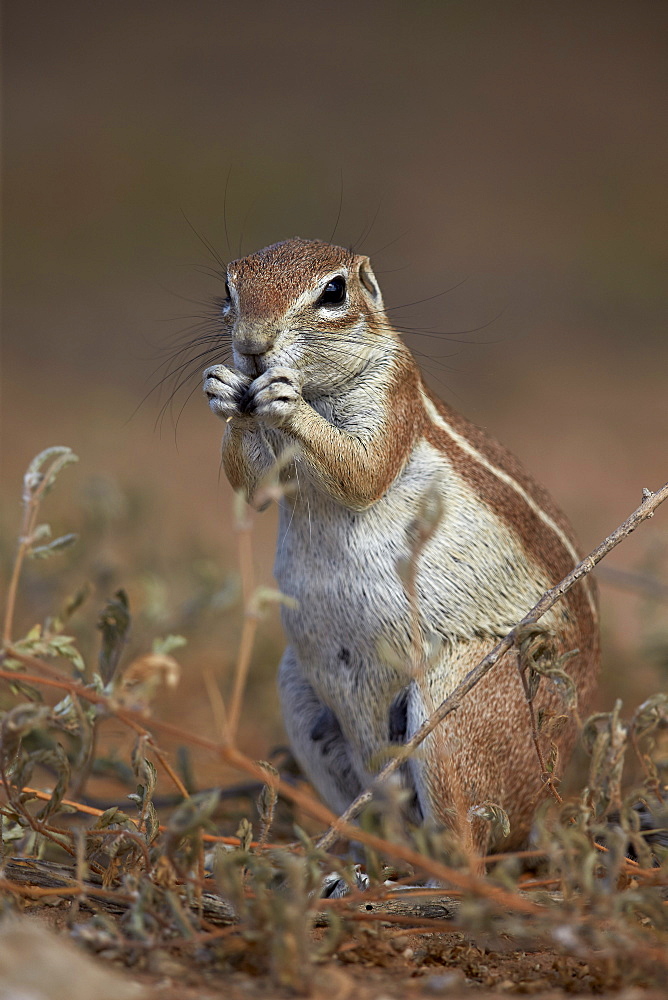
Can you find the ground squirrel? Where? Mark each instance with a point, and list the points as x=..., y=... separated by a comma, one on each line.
x=322, y=377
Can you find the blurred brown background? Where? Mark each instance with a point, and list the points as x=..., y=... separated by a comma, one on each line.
x=505, y=166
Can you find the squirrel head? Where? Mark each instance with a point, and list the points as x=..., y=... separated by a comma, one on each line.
x=308, y=305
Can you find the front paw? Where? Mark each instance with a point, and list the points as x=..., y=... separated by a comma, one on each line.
x=225, y=389
x=274, y=397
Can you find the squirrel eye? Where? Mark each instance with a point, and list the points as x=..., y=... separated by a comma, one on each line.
x=227, y=291
x=334, y=293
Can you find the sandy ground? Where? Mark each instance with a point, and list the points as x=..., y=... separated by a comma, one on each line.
x=381, y=964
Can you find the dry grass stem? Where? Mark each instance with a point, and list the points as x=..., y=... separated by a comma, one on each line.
x=249, y=628
x=217, y=706
x=145, y=876
x=36, y=484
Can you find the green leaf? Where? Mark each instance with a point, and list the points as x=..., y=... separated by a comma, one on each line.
x=71, y=716
x=649, y=715
x=269, y=595
x=63, y=645
x=57, y=545
x=193, y=813
x=114, y=816
x=114, y=623
x=67, y=457
x=41, y=532
x=56, y=758
x=151, y=823
x=245, y=834
x=168, y=644
x=495, y=815
x=18, y=723
x=144, y=770
x=55, y=451
x=37, y=477
x=69, y=608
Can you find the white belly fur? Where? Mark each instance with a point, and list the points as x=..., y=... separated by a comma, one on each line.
x=352, y=629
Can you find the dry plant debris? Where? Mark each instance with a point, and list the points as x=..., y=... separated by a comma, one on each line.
x=155, y=886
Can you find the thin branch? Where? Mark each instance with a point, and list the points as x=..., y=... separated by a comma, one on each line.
x=31, y=501
x=169, y=770
x=35, y=485
x=547, y=778
x=646, y=509
x=244, y=528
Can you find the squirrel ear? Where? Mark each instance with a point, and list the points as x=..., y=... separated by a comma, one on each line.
x=368, y=279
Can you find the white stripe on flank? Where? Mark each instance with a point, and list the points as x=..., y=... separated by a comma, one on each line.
x=504, y=477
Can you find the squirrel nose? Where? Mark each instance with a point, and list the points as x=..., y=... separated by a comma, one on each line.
x=251, y=347
x=252, y=341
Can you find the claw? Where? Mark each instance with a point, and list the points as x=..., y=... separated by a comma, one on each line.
x=246, y=402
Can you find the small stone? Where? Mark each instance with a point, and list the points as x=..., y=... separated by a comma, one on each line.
x=109, y=954
x=35, y=962
x=161, y=963
x=445, y=982
x=400, y=942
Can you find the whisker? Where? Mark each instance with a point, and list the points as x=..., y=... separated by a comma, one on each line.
x=180, y=413
x=168, y=404
x=292, y=512
x=191, y=337
x=174, y=372
x=244, y=223
x=338, y=214
x=428, y=298
x=189, y=362
x=206, y=243
x=402, y=236
x=210, y=272
x=227, y=184
x=367, y=231
x=183, y=298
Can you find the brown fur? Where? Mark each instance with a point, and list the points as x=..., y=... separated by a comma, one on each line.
x=496, y=759
x=267, y=280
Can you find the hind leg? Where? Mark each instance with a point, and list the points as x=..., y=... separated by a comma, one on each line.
x=483, y=754
x=316, y=738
